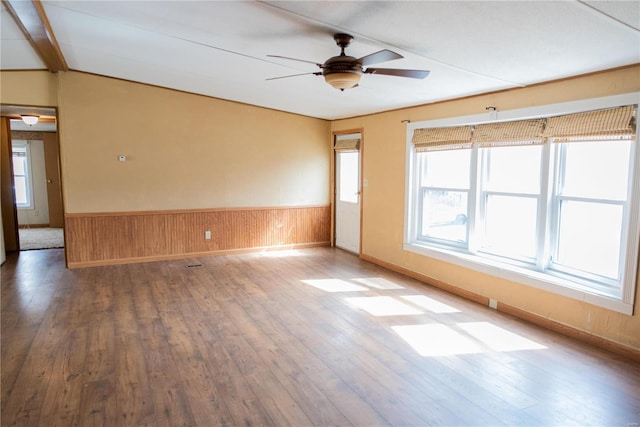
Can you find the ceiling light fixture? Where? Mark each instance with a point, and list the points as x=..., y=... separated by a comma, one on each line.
x=29, y=119
x=343, y=80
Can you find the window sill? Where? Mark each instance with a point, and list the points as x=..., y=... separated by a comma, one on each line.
x=524, y=276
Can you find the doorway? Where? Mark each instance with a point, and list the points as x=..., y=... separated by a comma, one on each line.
x=347, y=191
x=37, y=195
x=34, y=205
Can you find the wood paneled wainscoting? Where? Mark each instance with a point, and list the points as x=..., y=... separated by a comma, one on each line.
x=125, y=237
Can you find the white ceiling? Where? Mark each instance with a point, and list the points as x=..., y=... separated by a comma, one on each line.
x=220, y=48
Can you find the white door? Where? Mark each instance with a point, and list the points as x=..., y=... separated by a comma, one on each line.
x=348, y=200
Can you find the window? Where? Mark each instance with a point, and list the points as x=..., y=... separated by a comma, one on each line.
x=444, y=188
x=550, y=202
x=348, y=176
x=590, y=200
x=22, y=174
x=510, y=200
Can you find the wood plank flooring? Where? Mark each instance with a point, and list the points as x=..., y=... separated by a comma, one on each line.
x=301, y=338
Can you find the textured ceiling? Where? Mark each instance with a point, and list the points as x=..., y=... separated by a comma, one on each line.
x=220, y=49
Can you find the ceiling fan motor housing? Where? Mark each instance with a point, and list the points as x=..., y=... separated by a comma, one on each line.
x=341, y=64
x=342, y=72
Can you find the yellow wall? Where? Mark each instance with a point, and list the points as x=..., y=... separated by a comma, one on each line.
x=183, y=151
x=29, y=88
x=383, y=200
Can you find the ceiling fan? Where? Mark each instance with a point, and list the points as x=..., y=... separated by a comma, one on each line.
x=344, y=72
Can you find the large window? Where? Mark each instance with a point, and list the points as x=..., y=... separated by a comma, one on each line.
x=551, y=202
x=22, y=174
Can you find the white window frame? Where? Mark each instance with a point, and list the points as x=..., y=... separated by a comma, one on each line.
x=422, y=189
x=484, y=193
x=568, y=286
x=24, y=145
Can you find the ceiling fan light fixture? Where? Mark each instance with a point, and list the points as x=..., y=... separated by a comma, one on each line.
x=29, y=119
x=344, y=80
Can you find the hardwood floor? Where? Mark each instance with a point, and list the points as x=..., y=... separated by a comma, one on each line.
x=310, y=337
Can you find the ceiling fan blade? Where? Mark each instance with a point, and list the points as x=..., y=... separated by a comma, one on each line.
x=414, y=74
x=381, y=56
x=294, y=75
x=294, y=59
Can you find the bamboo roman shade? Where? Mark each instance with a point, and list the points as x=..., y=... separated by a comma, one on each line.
x=612, y=123
x=592, y=125
x=450, y=138
x=519, y=132
x=352, y=144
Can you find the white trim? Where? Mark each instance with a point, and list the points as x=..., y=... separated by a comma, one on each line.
x=633, y=245
x=624, y=302
x=521, y=275
x=410, y=186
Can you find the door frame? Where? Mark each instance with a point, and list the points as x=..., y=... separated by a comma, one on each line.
x=8, y=202
x=334, y=134
x=12, y=112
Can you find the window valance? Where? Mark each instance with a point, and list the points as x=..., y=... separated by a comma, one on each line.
x=352, y=144
x=519, y=132
x=600, y=124
x=448, y=138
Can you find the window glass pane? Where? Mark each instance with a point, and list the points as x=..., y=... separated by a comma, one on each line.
x=513, y=169
x=596, y=169
x=348, y=176
x=19, y=165
x=444, y=215
x=446, y=169
x=589, y=237
x=21, y=190
x=510, y=226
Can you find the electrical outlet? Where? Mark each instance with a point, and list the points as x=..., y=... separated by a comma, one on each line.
x=493, y=303
x=207, y=235
x=36, y=213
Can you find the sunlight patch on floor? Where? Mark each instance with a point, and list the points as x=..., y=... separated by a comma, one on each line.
x=433, y=339
x=334, y=285
x=497, y=338
x=378, y=283
x=437, y=340
x=383, y=306
x=430, y=304
x=474, y=337
x=282, y=253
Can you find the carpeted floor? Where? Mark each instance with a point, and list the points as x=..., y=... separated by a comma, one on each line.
x=41, y=238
